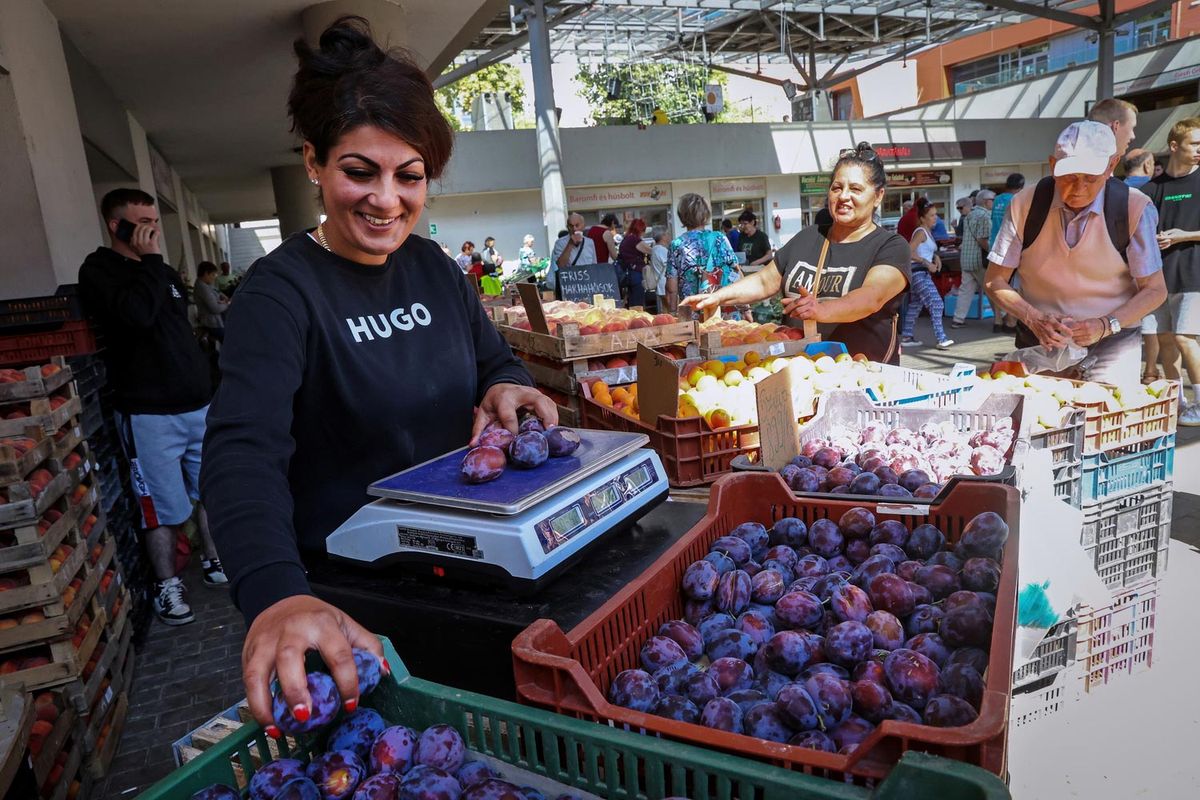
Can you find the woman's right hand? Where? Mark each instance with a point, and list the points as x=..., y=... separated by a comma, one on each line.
x=276, y=644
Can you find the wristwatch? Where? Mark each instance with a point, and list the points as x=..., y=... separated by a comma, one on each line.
x=1114, y=325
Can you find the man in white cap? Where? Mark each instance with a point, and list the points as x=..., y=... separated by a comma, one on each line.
x=1086, y=251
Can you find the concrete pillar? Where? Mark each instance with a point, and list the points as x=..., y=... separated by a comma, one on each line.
x=554, y=194
x=295, y=199
x=187, y=266
x=141, y=156
x=386, y=18
x=49, y=225
x=1106, y=54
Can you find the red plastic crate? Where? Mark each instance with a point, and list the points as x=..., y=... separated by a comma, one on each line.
x=691, y=453
x=72, y=339
x=570, y=673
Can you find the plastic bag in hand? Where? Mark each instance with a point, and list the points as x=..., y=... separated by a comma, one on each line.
x=1042, y=359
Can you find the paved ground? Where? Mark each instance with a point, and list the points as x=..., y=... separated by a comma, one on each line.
x=186, y=675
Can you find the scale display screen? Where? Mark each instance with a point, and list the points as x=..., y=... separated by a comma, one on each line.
x=638, y=478
x=604, y=499
x=567, y=521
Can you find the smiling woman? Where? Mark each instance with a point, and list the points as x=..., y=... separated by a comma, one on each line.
x=352, y=352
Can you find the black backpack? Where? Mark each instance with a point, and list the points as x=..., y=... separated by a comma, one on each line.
x=1116, y=213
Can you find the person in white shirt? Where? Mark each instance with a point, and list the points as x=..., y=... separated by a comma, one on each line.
x=573, y=250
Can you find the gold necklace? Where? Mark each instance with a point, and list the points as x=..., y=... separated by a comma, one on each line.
x=321, y=238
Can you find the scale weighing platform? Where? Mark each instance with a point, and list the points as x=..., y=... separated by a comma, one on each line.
x=517, y=531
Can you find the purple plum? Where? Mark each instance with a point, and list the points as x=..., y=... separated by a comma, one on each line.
x=671, y=680
x=701, y=688
x=985, y=535
x=913, y=479
x=980, y=575
x=931, y=646
x=501, y=438
x=848, y=602
x=911, y=677
x=755, y=535
x=336, y=773
x=529, y=450
x=939, y=580
x=967, y=626
x=700, y=581
x=271, y=777
x=482, y=464
x=732, y=643
x=732, y=546
x=789, y=531
x=767, y=586
x=886, y=629
x=218, y=791
x=948, y=711
x=872, y=700
x=824, y=538
x=766, y=721
x=832, y=696
x=634, y=689
x=357, y=733
x=425, y=782
x=713, y=625
x=731, y=674
x=799, y=609
x=722, y=714
x=493, y=789
x=562, y=441
x=757, y=627
x=853, y=731
x=394, y=750
x=924, y=541
x=659, y=652
x=814, y=740
x=677, y=708
x=472, y=772
x=443, y=747
x=963, y=680
x=733, y=592
x=797, y=707
x=856, y=523
x=890, y=592
x=788, y=652
x=924, y=619
x=684, y=635
x=326, y=703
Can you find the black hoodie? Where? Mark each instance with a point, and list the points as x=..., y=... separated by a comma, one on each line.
x=154, y=363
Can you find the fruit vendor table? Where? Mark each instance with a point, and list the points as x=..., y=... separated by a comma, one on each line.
x=461, y=635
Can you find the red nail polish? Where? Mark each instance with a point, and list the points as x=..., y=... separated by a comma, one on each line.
x=273, y=732
x=386, y=666
x=300, y=712
x=351, y=704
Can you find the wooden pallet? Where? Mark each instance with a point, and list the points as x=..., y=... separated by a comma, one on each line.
x=569, y=343
x=14, y=465
x=216, y=729
x=34, y=384
x=40, y=414
x=711, y=347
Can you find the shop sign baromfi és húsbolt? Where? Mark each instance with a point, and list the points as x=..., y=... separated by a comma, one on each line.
x=605, y=197
x=737, y=189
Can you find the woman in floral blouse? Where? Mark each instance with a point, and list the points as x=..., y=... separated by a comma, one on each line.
x=701, y=260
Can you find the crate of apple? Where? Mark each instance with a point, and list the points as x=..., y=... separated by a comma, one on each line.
x=529, y=448
x=589, y=319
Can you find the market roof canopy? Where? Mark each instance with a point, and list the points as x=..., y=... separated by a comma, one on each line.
x=748, y=31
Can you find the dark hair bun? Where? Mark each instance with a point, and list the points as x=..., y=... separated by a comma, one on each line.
x=350, y=81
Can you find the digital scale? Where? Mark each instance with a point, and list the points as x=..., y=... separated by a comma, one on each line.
x=517, y=531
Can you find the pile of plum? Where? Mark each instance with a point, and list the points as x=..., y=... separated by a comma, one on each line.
x=365, y=758
x=896, y=462
x=813, y=636
x=528, y=448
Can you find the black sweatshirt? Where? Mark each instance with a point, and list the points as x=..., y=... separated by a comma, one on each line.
x=154, y=363
x=334, y=375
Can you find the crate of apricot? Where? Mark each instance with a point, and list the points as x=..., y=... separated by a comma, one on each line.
x=563, y=329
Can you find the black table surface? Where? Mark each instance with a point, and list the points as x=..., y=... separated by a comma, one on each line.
x=461, y=635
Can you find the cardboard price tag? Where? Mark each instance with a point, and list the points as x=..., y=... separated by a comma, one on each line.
x=658, y=385
x=778, y=433
x=533, y=307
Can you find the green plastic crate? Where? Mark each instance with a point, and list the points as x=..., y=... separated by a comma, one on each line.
x=588, y=757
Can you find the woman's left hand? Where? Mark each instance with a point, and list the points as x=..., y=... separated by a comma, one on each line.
x=1086, y=332
x=502, y=402
x=802, y=307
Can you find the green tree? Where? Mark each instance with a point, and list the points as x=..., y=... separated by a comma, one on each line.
x=676, y=88
x=459, y=96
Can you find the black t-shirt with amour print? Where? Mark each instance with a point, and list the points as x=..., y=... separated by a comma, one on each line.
x=846, y=267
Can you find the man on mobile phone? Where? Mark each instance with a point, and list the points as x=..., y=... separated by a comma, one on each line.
x=160, y=382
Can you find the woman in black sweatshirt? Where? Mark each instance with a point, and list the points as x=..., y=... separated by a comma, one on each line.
x=353, y=351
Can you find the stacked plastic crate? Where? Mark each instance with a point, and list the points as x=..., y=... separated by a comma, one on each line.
x=1127, y=490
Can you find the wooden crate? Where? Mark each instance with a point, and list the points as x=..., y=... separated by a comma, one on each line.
x=32, y=547
x=111, y=662
x=568, y=376
x=83, y=467
x=711, y=347
x=56, y=740
x=45, y=586
x=14, y=465
x=23, y=506
x=55, y=626
x=66, y=439
x=119, y=678
x=569, y=343
x=229, y=721
x=70, y=773
x=102, y=758
x=66, y=661
x=40, y=414
x=16, y=723
x=34, y=384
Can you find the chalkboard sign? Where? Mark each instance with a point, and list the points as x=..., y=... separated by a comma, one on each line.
x=581, y=284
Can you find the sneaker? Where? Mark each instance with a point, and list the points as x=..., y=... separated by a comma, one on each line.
x=1190, y=416
x=958, y=324
x=911, y=342
x=944, y=344
x=170, y=602
x=214, y=573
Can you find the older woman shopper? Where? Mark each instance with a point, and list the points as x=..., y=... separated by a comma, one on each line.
x=701, y=260
x=847, y=276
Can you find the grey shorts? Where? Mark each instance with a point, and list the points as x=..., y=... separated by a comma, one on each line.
x=1180, y=314
x=164, y=460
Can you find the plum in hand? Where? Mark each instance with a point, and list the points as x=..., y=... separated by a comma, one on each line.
x=325, y=704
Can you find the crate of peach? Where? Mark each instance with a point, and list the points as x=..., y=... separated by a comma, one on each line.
x=38, y=381
x=728, y=337
x=20, y=455
x=1115, y=416
x=24, y=501
x=49, y=413
x=694, y=449
x=579, y=330
x=761, y=633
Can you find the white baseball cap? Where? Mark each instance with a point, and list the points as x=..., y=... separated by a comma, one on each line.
x=1084, y=148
